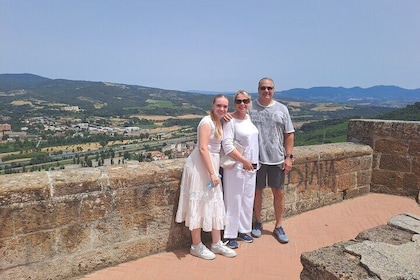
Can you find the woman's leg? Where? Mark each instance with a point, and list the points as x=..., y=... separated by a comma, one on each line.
x=196, y=236
x=215, y=236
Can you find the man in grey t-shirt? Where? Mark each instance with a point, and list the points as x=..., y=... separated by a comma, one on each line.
x=276, y=141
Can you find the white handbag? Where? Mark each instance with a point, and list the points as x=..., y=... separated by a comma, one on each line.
x=227, y=161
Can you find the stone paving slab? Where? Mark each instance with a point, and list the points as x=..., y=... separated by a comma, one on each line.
x=407, y=221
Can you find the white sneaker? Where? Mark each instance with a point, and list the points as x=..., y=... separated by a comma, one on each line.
x=222, y=249
x=202, y=251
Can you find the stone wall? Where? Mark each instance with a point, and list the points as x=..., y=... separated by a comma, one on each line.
x=93, y=218
x=396, y=154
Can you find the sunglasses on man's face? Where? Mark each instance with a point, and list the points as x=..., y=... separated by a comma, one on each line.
x=239, y=101
x=264, y=88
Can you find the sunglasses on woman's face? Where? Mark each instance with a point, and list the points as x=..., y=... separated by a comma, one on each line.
x=239, y=101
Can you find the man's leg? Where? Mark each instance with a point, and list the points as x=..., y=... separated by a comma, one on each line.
x=279, y=205
x=257, y=225
x=258, y=204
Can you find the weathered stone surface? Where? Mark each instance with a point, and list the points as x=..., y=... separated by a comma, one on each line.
x=414, y=148
x=391, y=146
x=27, y=249
x=24, y=188
x=386, y=181
x=407, y=221
x=68, y=182
x=364, y=177
x=386, y=252
x=389, y=261
x=411, y=183
x=396, y=145
x=395, y=162
x=387, y=234
x=332, y=263
x=95, y=207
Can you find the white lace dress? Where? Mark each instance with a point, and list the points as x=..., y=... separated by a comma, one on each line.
x=198, y=206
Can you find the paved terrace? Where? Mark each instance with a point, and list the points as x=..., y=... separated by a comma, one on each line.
x=266, y=258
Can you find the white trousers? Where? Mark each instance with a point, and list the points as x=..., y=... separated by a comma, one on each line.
x=239, y=193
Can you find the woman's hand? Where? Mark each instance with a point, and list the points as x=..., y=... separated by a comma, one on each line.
x=247, y=165
x=227, y=117
x=215, y=179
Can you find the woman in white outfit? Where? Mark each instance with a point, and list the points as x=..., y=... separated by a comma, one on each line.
x=239, y=181
x=200, y=207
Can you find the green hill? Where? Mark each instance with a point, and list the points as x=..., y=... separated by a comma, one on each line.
x=335, y=130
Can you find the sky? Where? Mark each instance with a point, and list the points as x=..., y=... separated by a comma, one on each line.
x=214, y=45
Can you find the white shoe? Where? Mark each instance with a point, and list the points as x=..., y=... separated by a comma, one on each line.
x=222, y=249
x=202, y=251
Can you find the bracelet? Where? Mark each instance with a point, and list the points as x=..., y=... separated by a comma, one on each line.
x=211, y=172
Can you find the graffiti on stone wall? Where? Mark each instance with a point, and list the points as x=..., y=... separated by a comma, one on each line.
x=319, y=174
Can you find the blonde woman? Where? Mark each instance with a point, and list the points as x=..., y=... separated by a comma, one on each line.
x=202, y=208
x=239, y=181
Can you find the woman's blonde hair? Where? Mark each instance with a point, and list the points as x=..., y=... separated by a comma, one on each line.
x=241, y=91
x=217, y=123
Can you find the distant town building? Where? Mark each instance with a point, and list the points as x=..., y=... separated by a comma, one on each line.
x=129, y=129
x=5, y=127
x=71, y=108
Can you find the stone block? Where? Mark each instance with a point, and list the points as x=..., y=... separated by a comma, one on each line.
x=26, y=249
x=297, y=174
x=391, y=146
x=304, y=154
x=395, y=162
x=385, y=233
x=383, y=128
x=108, y=231
x=47, y=215
x=360, y=131
x=414, y=148
x=27, y=187
x=95, y=207
x=376, y=160
x=72, y=181
x=132, y=200
x=406, y=222
x=411, y=184
x=378, y=253
x=332, y=263
x=411, y=131
x=387, y=179
x=350, y=165
x=352, y=193
x=416, y=165
x=364, y=177
x=73, y=238
x=346, y=182
x=7, y=228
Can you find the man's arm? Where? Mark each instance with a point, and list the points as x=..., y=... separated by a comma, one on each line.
x=289, y=141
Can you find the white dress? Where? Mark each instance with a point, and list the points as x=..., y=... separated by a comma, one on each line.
x=198, y=206
x=239, y=184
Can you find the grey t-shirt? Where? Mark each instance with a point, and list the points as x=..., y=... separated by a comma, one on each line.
x=272, y=122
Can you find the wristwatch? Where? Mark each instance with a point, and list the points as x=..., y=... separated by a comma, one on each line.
x=288, y=156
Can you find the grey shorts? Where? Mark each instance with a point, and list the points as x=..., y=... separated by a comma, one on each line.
x=270, y=175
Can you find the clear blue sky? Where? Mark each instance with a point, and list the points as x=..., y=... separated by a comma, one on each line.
x=214, y=45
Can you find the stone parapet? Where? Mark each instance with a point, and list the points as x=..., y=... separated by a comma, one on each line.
x=396, y=154
x=92, y=218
